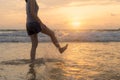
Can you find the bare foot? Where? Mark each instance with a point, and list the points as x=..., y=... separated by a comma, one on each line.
x=61, y=50
x=31, y=64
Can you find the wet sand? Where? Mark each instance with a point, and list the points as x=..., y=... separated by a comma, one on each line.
x=82, y=61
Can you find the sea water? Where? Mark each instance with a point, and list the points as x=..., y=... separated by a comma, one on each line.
x=63, y=35
x=91, y=55
x=81, y=61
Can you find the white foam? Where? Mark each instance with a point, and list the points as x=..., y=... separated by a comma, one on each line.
x=63, y=35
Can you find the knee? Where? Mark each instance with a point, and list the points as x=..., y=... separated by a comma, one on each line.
x=52, y=33
x=34, y=45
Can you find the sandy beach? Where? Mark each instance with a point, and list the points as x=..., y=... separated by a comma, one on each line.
x=82, y=61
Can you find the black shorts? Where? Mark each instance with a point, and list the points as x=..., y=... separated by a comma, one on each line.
x=33, y=28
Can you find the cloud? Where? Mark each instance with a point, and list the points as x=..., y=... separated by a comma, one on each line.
x=68, y=3
x=112, y=14
x=11, y=5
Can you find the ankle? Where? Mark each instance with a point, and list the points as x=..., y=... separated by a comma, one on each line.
x=58, y=46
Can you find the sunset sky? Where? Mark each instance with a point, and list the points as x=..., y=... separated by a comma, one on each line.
x=63, y=14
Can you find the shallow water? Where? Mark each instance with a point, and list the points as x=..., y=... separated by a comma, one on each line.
x=81, y=61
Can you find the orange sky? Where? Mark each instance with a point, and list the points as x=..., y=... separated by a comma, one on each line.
x=63, y=14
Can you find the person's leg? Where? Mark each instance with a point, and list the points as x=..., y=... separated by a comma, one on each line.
x=50, y=33
x=34, y=40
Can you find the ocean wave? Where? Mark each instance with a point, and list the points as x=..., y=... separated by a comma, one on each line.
x=64, y=35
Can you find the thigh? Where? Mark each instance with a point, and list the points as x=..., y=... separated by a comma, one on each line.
x=33, y=28
x=34, y=39
x=46, y=30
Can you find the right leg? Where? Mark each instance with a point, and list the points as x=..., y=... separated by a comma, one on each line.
x=50, y=33
x=34, y=40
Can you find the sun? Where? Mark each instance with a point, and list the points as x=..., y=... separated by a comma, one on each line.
x=76, y=24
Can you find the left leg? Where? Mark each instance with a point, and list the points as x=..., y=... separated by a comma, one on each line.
x=34, y=40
